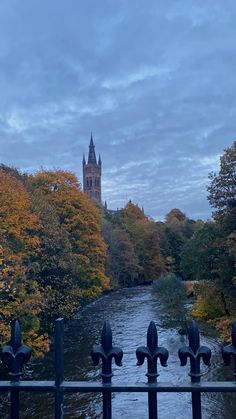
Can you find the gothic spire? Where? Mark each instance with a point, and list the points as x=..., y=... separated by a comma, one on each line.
x=99, y=160
x=84, y=161
x=91, y=139
x=92, y=155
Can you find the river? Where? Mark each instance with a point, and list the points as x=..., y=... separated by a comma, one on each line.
x=129, y=312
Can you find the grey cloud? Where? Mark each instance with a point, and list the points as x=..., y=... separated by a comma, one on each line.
x=153, y=81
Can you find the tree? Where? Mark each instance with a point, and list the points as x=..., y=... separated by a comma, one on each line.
x=133, y=246
x=222, y=196
x=123, y=265
x=153, y=262
x=178, y=229
x=199, y=254
x=222, y=189
x=145, y=238
x=172, y=294
x=216, y=300
x=20, y=296
x=73, y=253
x=175, y=216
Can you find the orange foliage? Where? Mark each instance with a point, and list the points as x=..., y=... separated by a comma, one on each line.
x=81, y=260
x=20, y=297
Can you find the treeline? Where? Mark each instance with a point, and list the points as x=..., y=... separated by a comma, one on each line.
x=210, y=254
x=59, y=251
x=141, y=249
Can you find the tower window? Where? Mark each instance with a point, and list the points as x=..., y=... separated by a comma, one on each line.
x=90, y=182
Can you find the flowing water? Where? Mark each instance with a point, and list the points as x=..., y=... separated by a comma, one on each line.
x=129, y=312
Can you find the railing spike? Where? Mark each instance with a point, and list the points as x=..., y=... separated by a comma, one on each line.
x=15, y=335
x=152, y=337
x=106, y=337
x=193, y=336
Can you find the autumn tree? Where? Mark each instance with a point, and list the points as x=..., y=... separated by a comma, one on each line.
x=175, y=216
x=153, y=263
x=72, y=251
x=178, y=229
x=218, y=303
x=122, y=262
x=20, y=296
x=144, y=239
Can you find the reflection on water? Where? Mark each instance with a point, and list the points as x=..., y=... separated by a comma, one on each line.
x=129, y=312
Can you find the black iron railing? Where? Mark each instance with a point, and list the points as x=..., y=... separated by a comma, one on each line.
x=15, y=356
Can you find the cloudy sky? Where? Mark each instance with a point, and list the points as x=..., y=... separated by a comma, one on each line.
x=153, y=80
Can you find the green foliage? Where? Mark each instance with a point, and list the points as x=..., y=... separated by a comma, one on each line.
x=171, y=291
x=222, y=189
x=208, y=305
x=213, y=249
x=133, y=246
x=122, y=263
x=199, y=254
x=174, y=234
x=139, y=249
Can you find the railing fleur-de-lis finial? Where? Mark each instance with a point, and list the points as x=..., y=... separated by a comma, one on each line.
x=230, y=350
x=194, y=352
x=152, y=352
x=106, y=352
x=15, y=355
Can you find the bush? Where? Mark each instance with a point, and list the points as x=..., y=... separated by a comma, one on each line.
x=172, y=294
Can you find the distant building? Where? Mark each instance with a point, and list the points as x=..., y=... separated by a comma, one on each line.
x=92, y=174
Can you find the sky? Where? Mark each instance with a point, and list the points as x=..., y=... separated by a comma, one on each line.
x=153, y=80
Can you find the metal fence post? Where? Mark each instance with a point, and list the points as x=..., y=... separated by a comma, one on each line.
x=106, y=352
x=152, y=352
x=14, y=356
x=195, y=352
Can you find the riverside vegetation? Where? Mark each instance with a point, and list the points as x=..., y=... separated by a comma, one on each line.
x=59, y=251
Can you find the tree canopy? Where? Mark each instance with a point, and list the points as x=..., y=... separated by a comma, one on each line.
x=222, y=189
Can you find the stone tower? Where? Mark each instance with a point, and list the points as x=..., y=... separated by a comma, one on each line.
x=92, y=172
